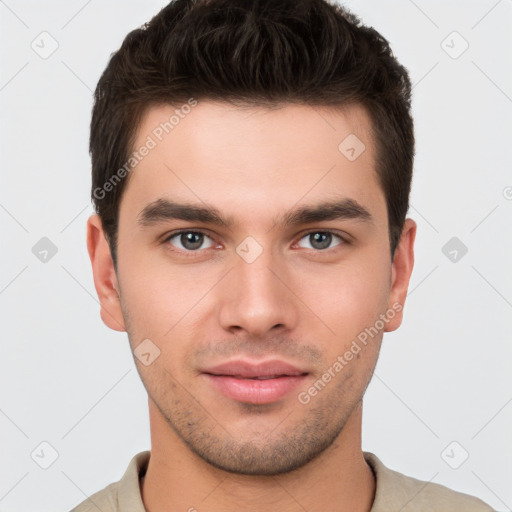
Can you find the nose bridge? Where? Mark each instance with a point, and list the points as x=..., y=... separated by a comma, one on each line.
x=257, y=299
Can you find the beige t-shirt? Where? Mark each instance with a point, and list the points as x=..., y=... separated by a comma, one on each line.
x=394, y=492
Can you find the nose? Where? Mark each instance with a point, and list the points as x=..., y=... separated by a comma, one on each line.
x=257, y=297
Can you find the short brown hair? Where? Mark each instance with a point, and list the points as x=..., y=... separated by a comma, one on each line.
x=254, y=52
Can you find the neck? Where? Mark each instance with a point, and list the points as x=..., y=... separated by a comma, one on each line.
x=339, y=479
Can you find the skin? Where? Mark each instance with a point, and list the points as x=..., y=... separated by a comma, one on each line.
x=295, y=302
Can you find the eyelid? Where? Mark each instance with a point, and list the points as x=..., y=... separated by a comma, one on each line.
x=177, y=232
x=345, y=238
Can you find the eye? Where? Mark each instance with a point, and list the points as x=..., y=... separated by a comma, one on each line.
x=321, y=240
x=190, y=241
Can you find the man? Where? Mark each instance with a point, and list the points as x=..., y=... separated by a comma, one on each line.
x=252, y=163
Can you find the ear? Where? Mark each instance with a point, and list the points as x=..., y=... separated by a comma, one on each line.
x=401, y=269
x=105, y=279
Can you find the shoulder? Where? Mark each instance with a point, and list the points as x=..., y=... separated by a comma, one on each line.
x=121, y=495
x=104, y=500
x=396, y=491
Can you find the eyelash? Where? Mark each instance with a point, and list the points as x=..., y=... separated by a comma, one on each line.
x=344, y=240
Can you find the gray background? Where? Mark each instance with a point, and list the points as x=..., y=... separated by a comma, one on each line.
x=442, y=388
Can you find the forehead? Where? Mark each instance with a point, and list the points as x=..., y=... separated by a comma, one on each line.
x=243, y=158
x=289, y=125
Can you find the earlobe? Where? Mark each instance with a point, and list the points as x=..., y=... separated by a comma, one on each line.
x=403, y=263
x=105, y=279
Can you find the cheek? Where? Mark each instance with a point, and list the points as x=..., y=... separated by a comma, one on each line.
x=158, y=296
x=352, y=297
x=162, y=305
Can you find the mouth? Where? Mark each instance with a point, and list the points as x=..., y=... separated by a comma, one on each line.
x=261, y=383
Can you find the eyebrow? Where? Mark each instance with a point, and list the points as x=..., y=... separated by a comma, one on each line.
x=162, y=210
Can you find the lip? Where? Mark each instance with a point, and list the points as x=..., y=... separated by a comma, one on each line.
x=260, y=383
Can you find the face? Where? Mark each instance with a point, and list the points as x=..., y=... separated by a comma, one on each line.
x=254, y=278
